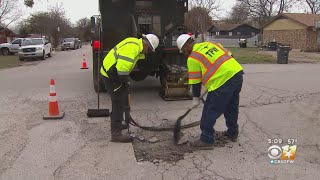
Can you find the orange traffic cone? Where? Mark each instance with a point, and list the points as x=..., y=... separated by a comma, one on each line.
x=54, y=112
x=84, y=63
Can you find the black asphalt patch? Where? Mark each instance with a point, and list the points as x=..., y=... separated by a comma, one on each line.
x=165, y=149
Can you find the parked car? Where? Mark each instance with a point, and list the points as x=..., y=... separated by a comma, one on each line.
x=11, y=48
x=69, y=43
x=35, y=48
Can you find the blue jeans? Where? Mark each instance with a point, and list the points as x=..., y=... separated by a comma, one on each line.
x=224, y=100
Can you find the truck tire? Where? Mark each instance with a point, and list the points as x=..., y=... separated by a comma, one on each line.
x=5, y=51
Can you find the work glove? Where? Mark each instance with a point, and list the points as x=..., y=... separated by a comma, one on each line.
x=195, y=102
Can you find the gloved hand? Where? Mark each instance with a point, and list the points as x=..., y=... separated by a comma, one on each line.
x=195, y=102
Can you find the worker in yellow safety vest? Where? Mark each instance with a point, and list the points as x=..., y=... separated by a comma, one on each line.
x=115, y=69
x=213, y=66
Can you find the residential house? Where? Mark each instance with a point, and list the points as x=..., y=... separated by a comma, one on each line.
x=232, y=31
x=295, y=29
x=6, y=35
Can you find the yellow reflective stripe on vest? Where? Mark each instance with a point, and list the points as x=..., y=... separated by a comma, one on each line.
x=194, y=75
x=211, y=68
x=115, y=52
x=123, y=72
x=116, y=56
x=201, y=58
x=125, y=58
x=215, y=66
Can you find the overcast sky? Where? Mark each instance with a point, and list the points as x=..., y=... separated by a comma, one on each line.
x=77, y=9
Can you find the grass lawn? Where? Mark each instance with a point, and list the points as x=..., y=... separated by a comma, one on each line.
x=9, y=61
x=251, y=56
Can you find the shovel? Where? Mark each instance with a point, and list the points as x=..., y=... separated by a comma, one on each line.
x=177, y=126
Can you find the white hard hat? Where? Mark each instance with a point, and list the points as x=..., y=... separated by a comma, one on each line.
x=182, y=39
x=153, y=40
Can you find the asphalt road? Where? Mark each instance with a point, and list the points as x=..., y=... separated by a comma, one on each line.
x=277, y=101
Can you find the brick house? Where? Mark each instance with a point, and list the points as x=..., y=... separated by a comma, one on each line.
x=6, y=35
x=296, y=29
x=232, y=31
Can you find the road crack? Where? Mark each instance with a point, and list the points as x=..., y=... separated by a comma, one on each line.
x=58, y=170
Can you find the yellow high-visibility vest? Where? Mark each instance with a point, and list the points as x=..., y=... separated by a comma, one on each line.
x=212, y=65
x=125, y=54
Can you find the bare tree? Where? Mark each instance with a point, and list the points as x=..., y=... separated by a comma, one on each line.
x=239, y=14
x=211, y=5
x=198, y=20
x=29, y=3
x=48, y=23
x=9, y=12
x=312, y=6
x=263, y=10
x=83, y=28
x=39, y=23
x=59, y=19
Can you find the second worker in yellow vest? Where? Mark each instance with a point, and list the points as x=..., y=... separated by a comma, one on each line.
x=116, y=68
x=211, y=65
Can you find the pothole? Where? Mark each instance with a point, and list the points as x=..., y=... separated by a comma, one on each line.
x=164, y=148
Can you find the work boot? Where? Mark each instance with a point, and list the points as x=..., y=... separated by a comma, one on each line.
x=198, y=144
x=124, y=126
x=233, y=138
x=117, y=136
x=121, y=138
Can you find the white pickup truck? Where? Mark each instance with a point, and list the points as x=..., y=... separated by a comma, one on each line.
x=34, y=48
x=11, y=48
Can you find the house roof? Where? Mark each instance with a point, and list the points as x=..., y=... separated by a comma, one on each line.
x=227, y=27
x=8, y=32
x=306, y=19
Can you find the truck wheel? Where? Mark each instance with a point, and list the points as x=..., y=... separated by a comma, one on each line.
x=43, y=56
x=5, y=51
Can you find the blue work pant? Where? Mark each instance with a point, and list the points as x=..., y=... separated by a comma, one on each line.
x=224, y=100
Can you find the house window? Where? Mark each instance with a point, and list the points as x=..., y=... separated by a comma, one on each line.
x=230, y=33
x=217, y=33
x=238, y=33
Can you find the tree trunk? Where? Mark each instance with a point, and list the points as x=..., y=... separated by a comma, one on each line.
x=202, y=37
